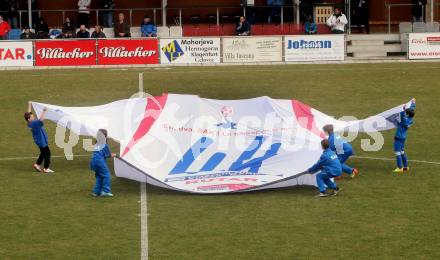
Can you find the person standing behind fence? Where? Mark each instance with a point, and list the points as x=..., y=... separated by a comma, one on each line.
x=107, y=14
x=4, y=29
x=337, y=21
x=13, y=6
x=122, y=28
x=361, y=15
x=84, y=12
x=418, y=9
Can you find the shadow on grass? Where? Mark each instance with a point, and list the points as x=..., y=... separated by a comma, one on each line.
x=300, y=191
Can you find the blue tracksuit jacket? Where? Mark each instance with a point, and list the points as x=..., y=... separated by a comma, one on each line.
x=403, y=125
x=98, y=162
x=339, y=145
x=148, y=28
x=328, y=163
x=38, y=133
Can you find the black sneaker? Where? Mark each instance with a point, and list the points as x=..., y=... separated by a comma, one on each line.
x=335, y=192
x=322, y=195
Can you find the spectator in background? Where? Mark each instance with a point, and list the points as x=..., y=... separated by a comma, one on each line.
x=107, y=16
x=69, y=30
x=310, y=26
x=13, y=6
x=83, y=33
x=42, y=29
x=148, y=28
x=361, y=15
x=4, y=29
x=27, y=34
x=243, y=27
x=275, y=11
x=122, y=28
x=84, y=12
x=98, y=33
x=418, y=9
x=337, y=21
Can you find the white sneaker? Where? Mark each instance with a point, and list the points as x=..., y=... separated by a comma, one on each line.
x=47, y=170
x=322, y=195
x=106, y=194
x=37, y=167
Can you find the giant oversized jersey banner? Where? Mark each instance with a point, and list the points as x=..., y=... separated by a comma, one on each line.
x=198, y=145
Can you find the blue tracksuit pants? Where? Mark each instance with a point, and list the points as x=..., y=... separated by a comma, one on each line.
x=399, y=150
x=323, y=181
x=343, y=158
x=103, y=181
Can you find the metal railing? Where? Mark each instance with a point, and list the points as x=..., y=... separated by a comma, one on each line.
x=288, y=13
x=94, y=12
x=295, y=13
x=389, y=6
x=220, y=13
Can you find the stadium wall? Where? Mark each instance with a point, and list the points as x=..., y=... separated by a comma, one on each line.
x=193, y=51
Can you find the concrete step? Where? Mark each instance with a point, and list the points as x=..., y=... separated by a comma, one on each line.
x=388, y=58
x=374, y=48
x=367, y=43
x=369, y=54
x=369, y=37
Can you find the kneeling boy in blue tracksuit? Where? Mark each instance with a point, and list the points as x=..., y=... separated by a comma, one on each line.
x=98, y=164
x=329, y=167
x=342, y=148
x=404, y=122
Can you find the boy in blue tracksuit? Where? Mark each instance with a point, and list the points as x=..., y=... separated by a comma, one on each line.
x=342, y=148
x=404, y=122
x=329, y=167
x=40, y=138
x=98, y=164
x=148, y=28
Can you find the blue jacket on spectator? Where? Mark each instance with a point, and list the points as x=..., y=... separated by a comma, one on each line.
x=148, y=28
x=310, y=27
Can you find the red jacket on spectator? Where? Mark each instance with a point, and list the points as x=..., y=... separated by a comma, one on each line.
x=4, y=29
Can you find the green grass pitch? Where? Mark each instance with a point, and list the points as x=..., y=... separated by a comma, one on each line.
x=377, y=216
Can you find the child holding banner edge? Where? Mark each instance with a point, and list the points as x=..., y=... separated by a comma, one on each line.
x=329, y=167
x=40, y=138
x=342, y=148
x=404, y=122
x=98, y=164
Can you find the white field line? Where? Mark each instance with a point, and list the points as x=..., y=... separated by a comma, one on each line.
x=393, y=159
x=216, y=70
x=143, y=192
x=35, y=157
x=144, y=222
x=84, y=155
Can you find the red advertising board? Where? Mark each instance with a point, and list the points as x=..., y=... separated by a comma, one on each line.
x=65, y=52
x=114, y=52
